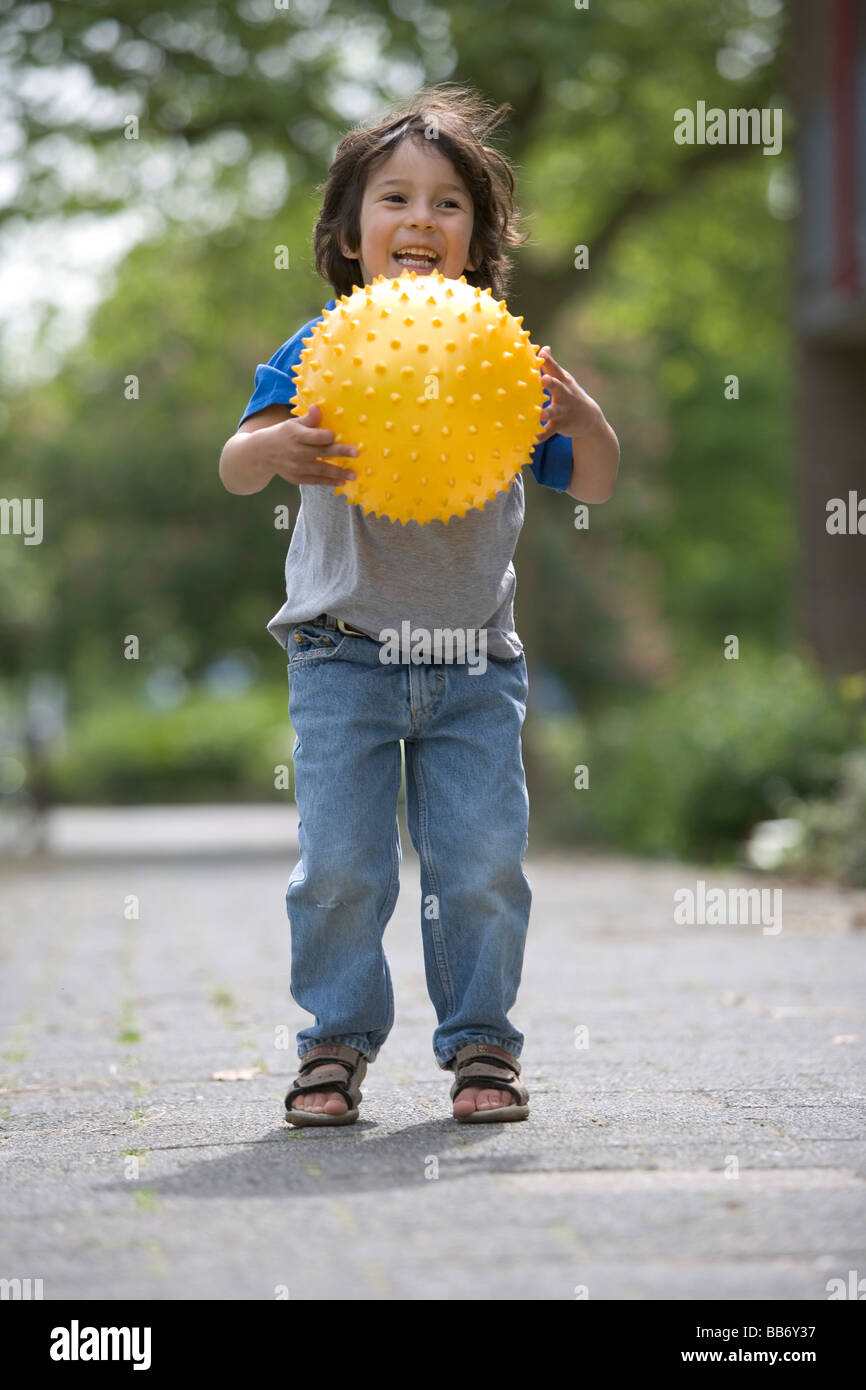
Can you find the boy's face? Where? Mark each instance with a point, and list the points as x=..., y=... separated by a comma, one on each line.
x=415, y=199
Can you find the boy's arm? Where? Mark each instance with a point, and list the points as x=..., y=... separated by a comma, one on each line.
x=573, y=413
x=245, y=460
x=595, y=465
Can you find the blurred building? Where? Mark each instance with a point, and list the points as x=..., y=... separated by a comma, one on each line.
x=827, y=86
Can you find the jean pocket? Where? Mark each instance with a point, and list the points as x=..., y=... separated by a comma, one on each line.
x=515, y=665
x=310, y=643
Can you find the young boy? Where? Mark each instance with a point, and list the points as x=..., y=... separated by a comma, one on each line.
x=399, y=197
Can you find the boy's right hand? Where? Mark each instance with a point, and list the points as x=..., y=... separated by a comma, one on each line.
x=300, y=448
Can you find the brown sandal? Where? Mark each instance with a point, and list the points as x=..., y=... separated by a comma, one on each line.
x=482, y=1064
x=344, y=1075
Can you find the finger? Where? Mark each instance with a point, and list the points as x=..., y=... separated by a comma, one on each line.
x=326, y=476
x=339, y=451
x=553, y=385
x=315, y=436
x=550, y=412
x=334, y=470
x=314, y=474
x=547, y=357
x=556, y=376
x=326, y=447
x=553, y=368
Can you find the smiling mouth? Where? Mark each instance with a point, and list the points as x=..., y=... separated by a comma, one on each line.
x=416, y=262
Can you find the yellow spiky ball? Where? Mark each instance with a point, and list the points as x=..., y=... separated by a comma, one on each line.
x=437, y=385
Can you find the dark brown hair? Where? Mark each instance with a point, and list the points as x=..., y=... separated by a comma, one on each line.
x=462, y=120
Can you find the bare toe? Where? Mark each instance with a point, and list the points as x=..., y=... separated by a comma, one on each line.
x=327, y=1102
x=481, y=1098
x=492, y=1100
x=321, y=1102
x=466, y=1102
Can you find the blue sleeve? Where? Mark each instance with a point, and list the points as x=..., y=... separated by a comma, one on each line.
x=275, y=382
x=552, y=461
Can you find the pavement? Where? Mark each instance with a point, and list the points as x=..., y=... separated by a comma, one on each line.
x=697, y=1125
x=117, y=832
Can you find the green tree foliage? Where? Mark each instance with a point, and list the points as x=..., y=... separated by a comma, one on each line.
x=686, y=286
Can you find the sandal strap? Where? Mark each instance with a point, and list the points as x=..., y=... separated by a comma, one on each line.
x=343, y=1073
x=337, y=1050
x=338, y=1086
x=482, y=1064
x=495, y=1083
x=483, y=1052
x=326, y=1075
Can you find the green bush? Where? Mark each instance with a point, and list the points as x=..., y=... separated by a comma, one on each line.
x=688, y=770
x=834, y=831
x=206, y=749
x=682, y=772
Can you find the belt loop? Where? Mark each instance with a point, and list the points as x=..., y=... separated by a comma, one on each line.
x=338, y=625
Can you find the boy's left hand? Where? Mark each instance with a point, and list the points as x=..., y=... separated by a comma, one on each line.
x=571, y=411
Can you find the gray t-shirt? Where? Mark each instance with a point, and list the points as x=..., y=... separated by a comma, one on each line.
x=376, y=574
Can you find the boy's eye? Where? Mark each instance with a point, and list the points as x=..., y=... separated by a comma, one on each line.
x=400, y=195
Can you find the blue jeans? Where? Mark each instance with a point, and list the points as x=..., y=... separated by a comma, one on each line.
x=467, y=811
